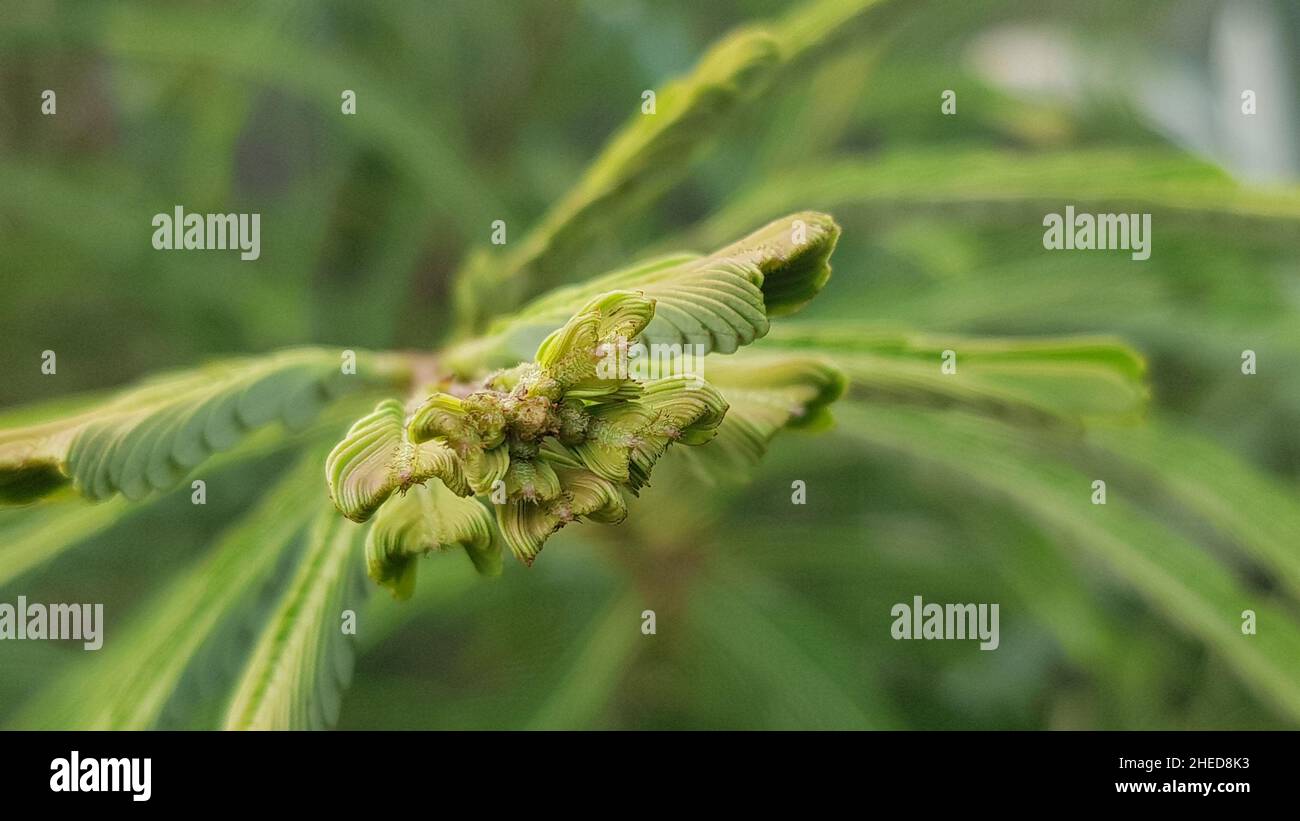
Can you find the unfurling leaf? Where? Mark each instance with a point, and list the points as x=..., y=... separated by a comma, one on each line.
x=532, y=479
x=469, y=424
x=614, y=430
x=793, y=253
x=526, y=525
x=485, y=468
x=719, y=303
x=428, y=518
x=686, y=409
x=551, y=441
x=377, y=458
x=572, y=354
x=559, y=438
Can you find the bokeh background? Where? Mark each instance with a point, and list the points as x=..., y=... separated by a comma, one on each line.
x=769, y=615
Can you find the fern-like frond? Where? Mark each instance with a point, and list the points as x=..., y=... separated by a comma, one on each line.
x=720, y=302
x=302, y=660
x=1034, y=380
x=147, y=438
x=1182, y=579
x=992, y=184
x=428, y=519
x=129, y=684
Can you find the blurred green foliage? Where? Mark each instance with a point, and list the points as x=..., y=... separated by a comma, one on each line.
x=769, y=615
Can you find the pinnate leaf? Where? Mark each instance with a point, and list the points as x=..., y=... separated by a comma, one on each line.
x=377, y=458
x=719, y=303
x=429, y=518
x=147, y=438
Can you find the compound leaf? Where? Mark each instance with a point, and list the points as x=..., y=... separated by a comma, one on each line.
x=303, y=658
x=147, y=438
x=429, y=518
x=129, y=684
x=377, y=458
x=716, y=303
x=1039, y=380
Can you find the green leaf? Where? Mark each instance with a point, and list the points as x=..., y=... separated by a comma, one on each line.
x=129, y=683
x=1248, y=506
x=720, y=302
x=253, y=48
x=793, y=253
x=652, y=153
x=1183, y=580
x=613, y=431
x=463, y=424
x=623, y=440
x=591, y=679
x=686, y=410
x=646, y=158
x=573, y=353
x=426, y=519
x=377, y=457
x=33, y=536
x=303, y=658
x=760, y=630
x=718, y=307
x=809, y=29
x=765, y=393
x=1029, y=379
x=485, y=468
x=525, y=525
x=146, y=439
x=531, y=479
x=1128, y=179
